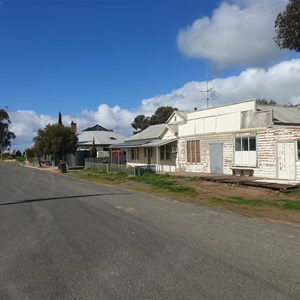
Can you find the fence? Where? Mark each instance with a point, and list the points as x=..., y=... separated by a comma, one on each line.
x=95, y=163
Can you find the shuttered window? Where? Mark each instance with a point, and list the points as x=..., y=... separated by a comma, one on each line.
x=193, y=151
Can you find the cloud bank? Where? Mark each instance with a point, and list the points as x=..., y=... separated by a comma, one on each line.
x=239, y=33
x=279, y=82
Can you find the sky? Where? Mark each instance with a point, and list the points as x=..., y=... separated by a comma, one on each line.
x=107, y=61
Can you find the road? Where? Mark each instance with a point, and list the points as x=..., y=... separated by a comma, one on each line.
x=63, y=238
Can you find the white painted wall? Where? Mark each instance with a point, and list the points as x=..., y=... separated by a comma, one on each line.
x=215, y=120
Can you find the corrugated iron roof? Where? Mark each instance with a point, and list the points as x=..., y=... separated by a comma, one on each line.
x=101, y=138
x=283, y=114
x=151, y=132
x=158, y=143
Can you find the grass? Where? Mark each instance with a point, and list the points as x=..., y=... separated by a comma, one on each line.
x=287, y=204
x=165, y=182
x=159, y=182
x=101, y=175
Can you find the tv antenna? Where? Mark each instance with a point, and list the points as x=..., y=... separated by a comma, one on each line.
x=208, y=90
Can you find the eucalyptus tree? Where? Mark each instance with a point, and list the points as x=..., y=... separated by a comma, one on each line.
x=5, y=134
x=287, y=26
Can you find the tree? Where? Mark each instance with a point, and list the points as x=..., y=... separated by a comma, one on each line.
x=140, y=123
x=30, y=153
x=287, y=26
x=266, y=102
x=59, y=119
x=160, y=116
x=94, y=149
x=5, y=134
x=18, y=153
x=56, y=140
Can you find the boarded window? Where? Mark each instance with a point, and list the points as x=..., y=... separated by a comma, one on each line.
x=193, y=151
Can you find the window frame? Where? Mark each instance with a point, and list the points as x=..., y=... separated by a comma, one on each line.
x=298, y=150
x=193, y=151
x=242, y=146
x=165, y=152
x=245, y=150
x=134, y=153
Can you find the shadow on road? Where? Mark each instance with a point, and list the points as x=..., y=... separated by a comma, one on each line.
x=59, y=198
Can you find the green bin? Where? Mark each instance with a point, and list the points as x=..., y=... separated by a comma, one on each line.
x=141, y=170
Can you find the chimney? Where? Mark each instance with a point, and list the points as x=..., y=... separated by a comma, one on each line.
x=73, y=127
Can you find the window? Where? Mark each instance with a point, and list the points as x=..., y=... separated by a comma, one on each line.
x=238, y=144
x=252, y=143
x=245, y=143
x=165, y=152
x=245, y=151
x=193, y=151
x=148, y=150
x=134, y=153
x=298, y=150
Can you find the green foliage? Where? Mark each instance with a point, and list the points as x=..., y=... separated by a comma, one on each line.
x=18, y=153
x=266, y=102
x=160, y=116
x=5, y=134
x=55, y=140
x=103, y=176
x=165, y=182
x=30, y=153
x=59, y=119
x=140, y=123
x=287, y=26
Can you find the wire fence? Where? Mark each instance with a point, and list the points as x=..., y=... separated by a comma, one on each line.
x=95, y=163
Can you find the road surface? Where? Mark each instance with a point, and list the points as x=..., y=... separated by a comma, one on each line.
x=62, y=238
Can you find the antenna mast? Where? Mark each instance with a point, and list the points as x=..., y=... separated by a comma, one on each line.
x=208, y=90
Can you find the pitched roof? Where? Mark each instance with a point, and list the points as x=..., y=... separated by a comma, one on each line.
x=101, y=138
x=151, y=132
x=96, y=127
x=283, y=114
x=182, y=113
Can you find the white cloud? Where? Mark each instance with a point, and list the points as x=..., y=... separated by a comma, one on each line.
x=237, y=34
x=279, y=82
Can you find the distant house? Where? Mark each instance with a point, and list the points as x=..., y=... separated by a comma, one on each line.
x=156, y=146
x=263, y=140
x=103, y=139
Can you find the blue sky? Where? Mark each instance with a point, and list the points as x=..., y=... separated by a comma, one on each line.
x=72, y=55
x=107, y=61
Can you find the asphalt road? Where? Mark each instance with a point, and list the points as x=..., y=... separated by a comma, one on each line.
x=62, y=238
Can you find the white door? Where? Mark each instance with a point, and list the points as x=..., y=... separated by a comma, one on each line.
x=286, y=160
